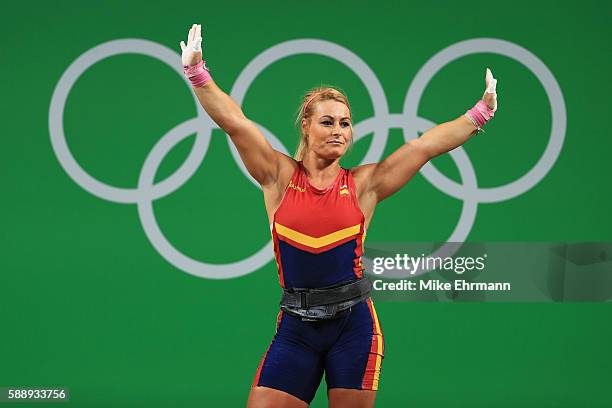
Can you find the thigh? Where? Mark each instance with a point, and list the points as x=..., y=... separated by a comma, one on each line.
x=264, y=397
x=342, y=397
x=355, y=360
x=290, y=365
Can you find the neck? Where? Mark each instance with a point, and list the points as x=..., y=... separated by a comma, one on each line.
x=320, y=167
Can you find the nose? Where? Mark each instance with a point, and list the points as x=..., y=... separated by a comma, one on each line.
x=336, y=131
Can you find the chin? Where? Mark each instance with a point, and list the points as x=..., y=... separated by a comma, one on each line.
x=333, y=154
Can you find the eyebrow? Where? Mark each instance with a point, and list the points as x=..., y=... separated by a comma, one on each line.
x=330, y=116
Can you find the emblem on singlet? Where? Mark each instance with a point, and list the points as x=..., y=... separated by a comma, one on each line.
x=296, y=188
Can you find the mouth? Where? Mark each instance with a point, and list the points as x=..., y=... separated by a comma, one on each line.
x=335, y=142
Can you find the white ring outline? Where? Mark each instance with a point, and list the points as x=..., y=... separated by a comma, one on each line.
x=58, y=136
x=553, y=92
x=147, y=191
x=326, y=49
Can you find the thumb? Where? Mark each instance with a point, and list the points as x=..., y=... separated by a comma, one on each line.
x=183, y=46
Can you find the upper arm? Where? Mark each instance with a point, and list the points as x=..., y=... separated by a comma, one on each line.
x=258, y=156
x=379, y=181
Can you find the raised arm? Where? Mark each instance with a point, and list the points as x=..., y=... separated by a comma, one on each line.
x=260, y=159
x=381, y=180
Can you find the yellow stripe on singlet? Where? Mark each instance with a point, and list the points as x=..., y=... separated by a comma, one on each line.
x=314, y=242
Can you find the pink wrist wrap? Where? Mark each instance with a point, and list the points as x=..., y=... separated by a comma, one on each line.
x=480, y=114
x=197, y=74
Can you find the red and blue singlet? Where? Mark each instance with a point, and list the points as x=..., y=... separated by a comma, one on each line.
x=318, y=241
x=318, y=234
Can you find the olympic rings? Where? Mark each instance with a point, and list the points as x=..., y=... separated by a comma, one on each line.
x=383, y=120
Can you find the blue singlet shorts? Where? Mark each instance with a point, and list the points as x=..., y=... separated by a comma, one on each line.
x=349, y=349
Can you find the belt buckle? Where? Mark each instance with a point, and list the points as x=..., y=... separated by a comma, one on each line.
x=303, y=296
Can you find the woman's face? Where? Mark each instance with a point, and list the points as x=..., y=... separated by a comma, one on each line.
x=329, y=129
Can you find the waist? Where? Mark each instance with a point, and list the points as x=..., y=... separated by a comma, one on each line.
x=325, y=302
x=303, y=269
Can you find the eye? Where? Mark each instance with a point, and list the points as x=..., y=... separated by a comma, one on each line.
x=346, y=124
x=326, y=122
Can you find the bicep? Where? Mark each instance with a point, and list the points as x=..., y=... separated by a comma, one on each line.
x=255, y=151
x=258, y=156
x=397, y=169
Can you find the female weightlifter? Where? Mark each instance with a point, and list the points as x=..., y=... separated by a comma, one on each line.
x=319, y=213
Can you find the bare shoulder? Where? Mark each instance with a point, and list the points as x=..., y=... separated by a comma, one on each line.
x=286, y=167
x=362, y=175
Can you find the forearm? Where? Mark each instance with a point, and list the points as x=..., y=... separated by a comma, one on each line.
x=388, y=176
x=447, y=136
x=220, y=107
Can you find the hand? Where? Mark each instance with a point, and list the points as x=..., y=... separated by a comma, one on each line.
x=490, y=95
x=192, y=52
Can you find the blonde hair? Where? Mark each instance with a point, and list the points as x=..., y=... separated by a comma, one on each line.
x=312, y=97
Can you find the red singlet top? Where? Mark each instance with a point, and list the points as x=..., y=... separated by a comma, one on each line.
x=318, y=234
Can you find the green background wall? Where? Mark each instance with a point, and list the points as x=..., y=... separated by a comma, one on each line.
x=88, y=303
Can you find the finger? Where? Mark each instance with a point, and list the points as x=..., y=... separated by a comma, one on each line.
x=491, y=88
x=197, y=41
x=183, y=46
x=197, y=44
x=490, y=82
x=191, y=33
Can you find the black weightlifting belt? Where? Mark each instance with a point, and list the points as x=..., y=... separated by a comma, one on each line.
x=325, y=303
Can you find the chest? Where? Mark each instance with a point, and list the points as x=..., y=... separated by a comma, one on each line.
x=318, y=214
